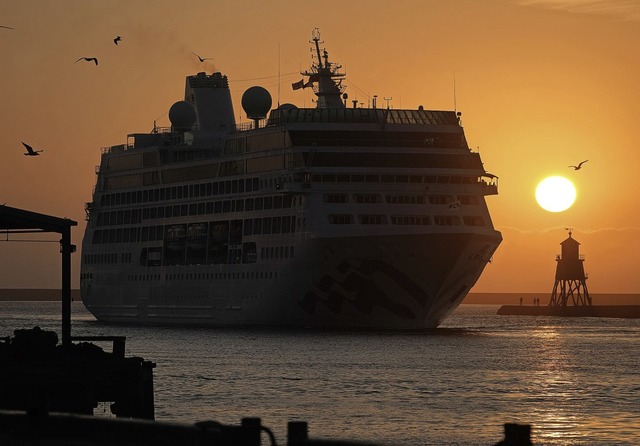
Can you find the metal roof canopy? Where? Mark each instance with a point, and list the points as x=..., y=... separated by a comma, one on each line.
x=20, y=221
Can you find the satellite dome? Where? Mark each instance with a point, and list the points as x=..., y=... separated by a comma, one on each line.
x=182, y=115
x=283, y=112
x=287, y=106
x=256, y=102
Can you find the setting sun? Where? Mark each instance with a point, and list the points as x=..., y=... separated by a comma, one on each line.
x=555, y=194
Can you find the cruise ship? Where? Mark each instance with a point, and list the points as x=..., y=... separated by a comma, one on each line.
x=338, y=216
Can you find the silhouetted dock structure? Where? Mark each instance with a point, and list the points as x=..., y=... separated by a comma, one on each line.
x=570, y=296
x=20, y=221
x=38, y=375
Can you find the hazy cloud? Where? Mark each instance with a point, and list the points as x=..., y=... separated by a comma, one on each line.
x=624, y=229
x=618, y=9
x=530, y=231
x=564, y=228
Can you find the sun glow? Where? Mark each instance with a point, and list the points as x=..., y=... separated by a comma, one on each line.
x=555, y=194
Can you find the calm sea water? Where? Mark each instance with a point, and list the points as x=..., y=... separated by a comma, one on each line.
x=575, y=380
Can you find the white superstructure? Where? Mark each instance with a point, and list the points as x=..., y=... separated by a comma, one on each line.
x=322, y=217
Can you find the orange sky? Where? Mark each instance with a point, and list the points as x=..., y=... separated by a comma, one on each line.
x=541, y=84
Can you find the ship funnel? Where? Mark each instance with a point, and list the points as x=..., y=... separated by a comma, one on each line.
x=211, y=98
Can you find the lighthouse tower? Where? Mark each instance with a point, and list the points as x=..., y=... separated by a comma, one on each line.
x=571, y=281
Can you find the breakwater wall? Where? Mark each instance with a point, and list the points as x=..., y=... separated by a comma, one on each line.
x=35, y=294
x=615, y=311
x=48, y=295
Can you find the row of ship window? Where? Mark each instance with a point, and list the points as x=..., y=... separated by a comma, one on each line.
x=102, y=258
x=401, y=199
x=136, y=216
x=205, y=276
x=253, y=185
x=268, y=252
x=181, y=192
x=402, y=179
x=285, y=225
x=415, y=220
x=252, y=226
x=276, y=252
x=195, y=276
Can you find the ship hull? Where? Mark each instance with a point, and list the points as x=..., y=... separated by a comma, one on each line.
x=395, y=282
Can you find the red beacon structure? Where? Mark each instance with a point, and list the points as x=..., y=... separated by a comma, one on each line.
x=571, y=281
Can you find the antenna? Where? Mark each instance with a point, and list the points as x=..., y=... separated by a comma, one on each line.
x=387, y=99
x=454, y=91
x=315, y=36
x=278, y=74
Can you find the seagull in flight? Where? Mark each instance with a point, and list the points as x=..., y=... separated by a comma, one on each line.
x=30, y=151
x=579, y=165
x=202, y=59
x=89, y=59
x=117, y=39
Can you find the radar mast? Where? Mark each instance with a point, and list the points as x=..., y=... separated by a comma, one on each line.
x=324, y=77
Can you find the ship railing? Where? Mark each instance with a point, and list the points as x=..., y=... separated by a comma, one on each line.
x=244, y=126
x=261, y=123
x=116, y=149
x=489, y=183
x=360, y=116
x=88, y=209
x=580, y=257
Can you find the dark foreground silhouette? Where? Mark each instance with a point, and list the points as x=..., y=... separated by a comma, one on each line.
x=48, y=393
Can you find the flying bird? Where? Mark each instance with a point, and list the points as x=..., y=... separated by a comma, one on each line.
x=30, y=151
x=88, y=59
x=579, y=165
x=117, y=39
x=202, y=59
